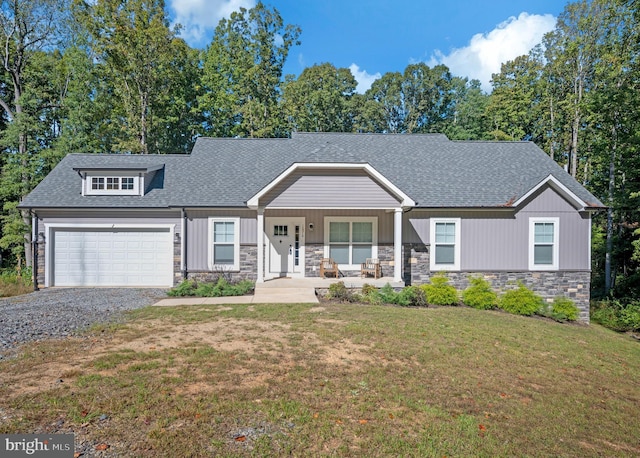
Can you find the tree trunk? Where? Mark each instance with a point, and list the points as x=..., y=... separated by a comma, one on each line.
x=608, y=271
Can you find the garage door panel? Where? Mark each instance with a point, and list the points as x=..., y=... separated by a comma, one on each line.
x=104, y=257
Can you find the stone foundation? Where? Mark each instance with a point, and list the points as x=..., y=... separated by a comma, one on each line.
x=248, y=263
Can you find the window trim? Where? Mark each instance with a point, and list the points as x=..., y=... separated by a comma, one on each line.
x=351, y=219
x=456, y=248
x=555, y=265
x=236, y=245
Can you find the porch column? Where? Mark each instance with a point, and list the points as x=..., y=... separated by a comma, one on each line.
x=397, y=244
x=260, y=245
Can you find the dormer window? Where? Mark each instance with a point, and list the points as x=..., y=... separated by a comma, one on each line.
x=126, y=181
x=113, y=183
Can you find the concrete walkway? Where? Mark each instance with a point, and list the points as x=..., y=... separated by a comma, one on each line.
x=262, y=295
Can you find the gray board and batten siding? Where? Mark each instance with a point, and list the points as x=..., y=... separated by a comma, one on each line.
x=329, y=188
x=498, y=240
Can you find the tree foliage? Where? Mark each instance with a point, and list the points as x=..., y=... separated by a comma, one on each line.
x=112, y=76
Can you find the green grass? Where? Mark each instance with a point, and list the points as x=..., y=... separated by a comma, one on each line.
x=344, y=380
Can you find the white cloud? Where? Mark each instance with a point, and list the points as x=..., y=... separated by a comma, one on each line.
x=200, y=17
x=364, y=79
x=486, y=52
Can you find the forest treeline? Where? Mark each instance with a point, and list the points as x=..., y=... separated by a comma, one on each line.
x=113, y=76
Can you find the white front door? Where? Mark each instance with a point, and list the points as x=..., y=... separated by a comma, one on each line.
x=286, y=247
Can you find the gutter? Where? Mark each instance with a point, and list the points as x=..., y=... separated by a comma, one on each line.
x=34, y=248
x=183, y=246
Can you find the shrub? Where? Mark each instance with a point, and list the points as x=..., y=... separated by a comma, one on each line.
x=412, y=296
x=479, y=294
x=219, y=288
x=388, y=295
x=521, y=301
x=440, y=292
x=341, y=293
x=15, y=282
x=564, y=308
x=186, y=288
x=616, y=315
x=370, y=294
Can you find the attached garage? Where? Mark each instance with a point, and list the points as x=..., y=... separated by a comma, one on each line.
x=108, y=256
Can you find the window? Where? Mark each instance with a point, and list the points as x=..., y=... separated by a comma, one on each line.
x=543, y=243
x=224, y=252
x=445, y=244
x=114, y=185
x=350, y=241
x=97, y=183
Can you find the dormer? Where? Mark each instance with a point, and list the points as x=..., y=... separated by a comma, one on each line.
x=125, y=180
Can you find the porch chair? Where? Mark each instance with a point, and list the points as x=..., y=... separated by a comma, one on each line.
x=328, y=265
x=371, y=267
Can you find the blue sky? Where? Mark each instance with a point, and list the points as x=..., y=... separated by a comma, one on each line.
x=374, y=37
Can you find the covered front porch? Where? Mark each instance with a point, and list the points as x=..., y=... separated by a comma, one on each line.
x=317, y=282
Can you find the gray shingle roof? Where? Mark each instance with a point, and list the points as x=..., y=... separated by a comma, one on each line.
x=224, y=172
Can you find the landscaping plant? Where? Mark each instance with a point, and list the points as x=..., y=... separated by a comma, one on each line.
x=440, y=292
x=479, y=294
x=521, y=301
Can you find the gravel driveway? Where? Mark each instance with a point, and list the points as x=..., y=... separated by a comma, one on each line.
x=56, y=312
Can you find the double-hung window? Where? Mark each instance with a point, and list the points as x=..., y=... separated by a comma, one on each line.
x=224, y=246
x=350, y=241
x=445, y=244
x=543, y=243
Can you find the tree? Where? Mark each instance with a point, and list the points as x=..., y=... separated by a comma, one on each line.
x=137, y=52
x=319, y=100
x=243, y=73
x=27, y=27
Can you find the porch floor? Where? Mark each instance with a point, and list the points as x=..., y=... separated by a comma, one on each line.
x=317, y=282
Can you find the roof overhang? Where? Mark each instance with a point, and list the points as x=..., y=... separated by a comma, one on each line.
x=404, y=200
x=121, y=168
x=561, y=189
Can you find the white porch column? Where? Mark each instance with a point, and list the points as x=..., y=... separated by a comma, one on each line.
x=260, y=245
x=397, y=244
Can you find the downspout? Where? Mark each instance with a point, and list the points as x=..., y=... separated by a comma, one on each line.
x=183, y=247
x=34, y=243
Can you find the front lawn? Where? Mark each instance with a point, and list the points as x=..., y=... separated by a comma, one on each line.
x=331, y=379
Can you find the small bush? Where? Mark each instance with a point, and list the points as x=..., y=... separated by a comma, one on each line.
x=521, y=301
x=219, y=288
x=15, y=282
x=388, y=295
x=440, y=292
x=617, y=315
x=186, y=288
x=412, y=296
x=368, y=289
x=340, y=292
x=479, y=294
x=564, y=308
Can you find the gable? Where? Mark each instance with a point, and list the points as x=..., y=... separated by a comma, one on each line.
x=329, y=188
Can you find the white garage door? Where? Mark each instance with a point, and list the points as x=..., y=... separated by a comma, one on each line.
x=127, y=257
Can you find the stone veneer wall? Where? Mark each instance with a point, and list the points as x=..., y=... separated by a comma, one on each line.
x=41, y=264
x=575, y=285
x=314, y=252
x=248, y=263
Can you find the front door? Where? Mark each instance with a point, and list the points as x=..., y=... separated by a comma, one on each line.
x=286, y=247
